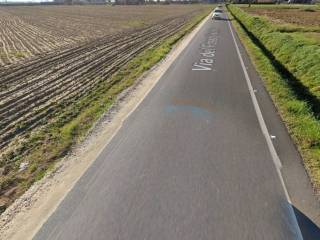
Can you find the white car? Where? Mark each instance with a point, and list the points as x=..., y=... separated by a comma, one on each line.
x=217, y=13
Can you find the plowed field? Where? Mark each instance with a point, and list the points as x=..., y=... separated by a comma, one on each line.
x=30, y=90
x=53, y=57
x=29, y=31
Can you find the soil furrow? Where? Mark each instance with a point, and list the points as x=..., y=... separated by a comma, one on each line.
x=85, y=74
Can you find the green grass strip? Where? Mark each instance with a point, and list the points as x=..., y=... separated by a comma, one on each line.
x=297, y=113
x=297, y=54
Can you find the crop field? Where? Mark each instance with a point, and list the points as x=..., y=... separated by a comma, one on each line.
x=307, y=16
x=30, y=90
x=300, y=20
x=30, y=31
x=58, y=64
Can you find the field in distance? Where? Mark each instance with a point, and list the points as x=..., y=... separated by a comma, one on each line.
x=32, y=30
x=304, y=15
x=298, y=19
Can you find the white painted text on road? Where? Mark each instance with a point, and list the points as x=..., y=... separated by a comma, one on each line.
x=207, y=54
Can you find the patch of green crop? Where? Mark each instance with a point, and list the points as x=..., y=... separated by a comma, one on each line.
x=19, y=54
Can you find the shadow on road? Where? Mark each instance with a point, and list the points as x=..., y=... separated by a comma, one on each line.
x=225, y=19
x=309, y=230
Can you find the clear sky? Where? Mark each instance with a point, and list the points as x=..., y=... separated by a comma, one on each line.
x=25, y=1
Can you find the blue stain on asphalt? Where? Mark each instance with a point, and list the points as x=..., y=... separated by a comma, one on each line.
x=196, y=111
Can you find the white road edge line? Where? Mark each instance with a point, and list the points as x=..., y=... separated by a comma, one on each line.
x=266, y=134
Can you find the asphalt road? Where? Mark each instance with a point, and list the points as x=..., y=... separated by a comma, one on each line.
x=190, y=163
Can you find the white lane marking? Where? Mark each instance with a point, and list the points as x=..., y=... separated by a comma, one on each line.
x=262, y=123
x=266, y=134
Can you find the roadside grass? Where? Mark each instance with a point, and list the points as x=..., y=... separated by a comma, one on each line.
x=312, y=35
x=72, y=124
x=296, y=54
x=293, y=100
x=291, y=28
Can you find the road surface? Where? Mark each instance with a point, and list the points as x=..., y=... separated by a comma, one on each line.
x=190, y=163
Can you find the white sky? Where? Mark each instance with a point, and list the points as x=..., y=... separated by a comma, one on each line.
x=26, y=1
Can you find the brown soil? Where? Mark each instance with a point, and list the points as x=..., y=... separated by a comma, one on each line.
x=30, y=31
x=298, y=16
x=31, y=92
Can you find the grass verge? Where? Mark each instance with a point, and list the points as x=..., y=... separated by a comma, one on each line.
x=293, y=104
x=70, y=126
x=297, y=54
